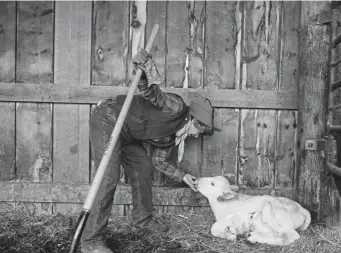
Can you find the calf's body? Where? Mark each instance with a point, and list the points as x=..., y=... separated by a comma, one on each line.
x=263, y=219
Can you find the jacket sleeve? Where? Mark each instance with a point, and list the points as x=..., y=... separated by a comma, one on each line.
x=162, y=100
x=161, y=163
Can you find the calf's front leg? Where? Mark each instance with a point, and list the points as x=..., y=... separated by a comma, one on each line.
x=221, y=230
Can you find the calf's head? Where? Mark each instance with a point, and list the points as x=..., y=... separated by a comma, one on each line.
x=216, y=188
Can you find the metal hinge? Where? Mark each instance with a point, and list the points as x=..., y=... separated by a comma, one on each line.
x=325, y=17
x=319, y=145
x=326, y=147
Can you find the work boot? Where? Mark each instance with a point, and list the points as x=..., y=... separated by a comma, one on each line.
x=95, y=245
x=154, y=225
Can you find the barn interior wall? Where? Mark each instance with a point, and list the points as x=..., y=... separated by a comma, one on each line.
x=203, y=45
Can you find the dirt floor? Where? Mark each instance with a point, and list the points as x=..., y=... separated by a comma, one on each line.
x=189, y=232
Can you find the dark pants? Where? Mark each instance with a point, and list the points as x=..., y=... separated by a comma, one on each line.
x=136, y=163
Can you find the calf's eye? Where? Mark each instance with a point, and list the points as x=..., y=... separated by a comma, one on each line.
x=212, y=183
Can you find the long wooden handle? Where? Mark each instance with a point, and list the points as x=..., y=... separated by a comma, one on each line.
x=116, y=132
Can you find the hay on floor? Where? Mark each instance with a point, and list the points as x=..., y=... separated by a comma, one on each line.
x=189, y=232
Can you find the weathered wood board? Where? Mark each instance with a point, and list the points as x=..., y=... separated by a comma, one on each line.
x=110, y=43
x=185, y=57
x=260, y=72
x=7, y=74
x=72, y=64
x=157, y=14
x=34, y=64
x=221, y=40
x=220, y=150
x=244, y=56
x=176, y=43
x=286, y=140
x=76, y=94
x=110, y=47
x=313, y=69
x=76, y=193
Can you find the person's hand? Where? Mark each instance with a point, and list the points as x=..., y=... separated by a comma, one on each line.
x=191, y=181
x=142, y=60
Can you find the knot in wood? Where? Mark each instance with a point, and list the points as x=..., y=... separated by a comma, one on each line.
x=135, y=23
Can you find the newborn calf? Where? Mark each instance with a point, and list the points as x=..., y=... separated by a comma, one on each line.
x=263, y=219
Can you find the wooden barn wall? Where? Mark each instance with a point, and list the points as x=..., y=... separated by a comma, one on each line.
x=203, y=45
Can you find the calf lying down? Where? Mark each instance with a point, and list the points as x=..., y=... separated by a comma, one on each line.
x=262, y=219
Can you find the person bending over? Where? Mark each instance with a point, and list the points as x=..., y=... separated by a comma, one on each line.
x=155, y=124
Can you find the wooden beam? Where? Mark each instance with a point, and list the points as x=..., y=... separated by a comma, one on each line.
x=79, y=94
x=313, y=185
x=76, y=193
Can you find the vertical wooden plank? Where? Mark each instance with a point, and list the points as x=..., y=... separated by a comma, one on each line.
x=258, y=127
x=195, y=53
x=177, y=42
x=286, y=148
x=312, y=84
x=193, y=69
x=185, y=43
x=110, y=43
x=110, y=46
x=220, y=46
x=184, y=57
x=7, y=74
x=157, y=14
x=137, y=30
x=34, y=64
x=72, y=65
x=219, y=151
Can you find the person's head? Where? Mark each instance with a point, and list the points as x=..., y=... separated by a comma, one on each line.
x=202, y=117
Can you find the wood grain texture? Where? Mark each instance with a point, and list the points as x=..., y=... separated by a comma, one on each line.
x=194, y=61
x=110, y=43
x=313, y=80
x=286, y=148
x=257, y=140
x=177, y=42
x=290, y=45
x=76, y=194
x=34, y=64
x=77, y=94
x=260, y=72
x=7, y=74
x=72, y=64
x=195, y=51
x=221, y=39
x=220, y=150
x=137, y=31
x=157, y=14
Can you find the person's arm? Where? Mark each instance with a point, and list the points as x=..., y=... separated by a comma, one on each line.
x=150, y=82
x=160, y=161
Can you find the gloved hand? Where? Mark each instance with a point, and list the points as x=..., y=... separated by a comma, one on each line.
x=143, y=61
x=191, y=181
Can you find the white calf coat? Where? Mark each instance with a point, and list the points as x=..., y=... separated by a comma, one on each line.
x=263, y=219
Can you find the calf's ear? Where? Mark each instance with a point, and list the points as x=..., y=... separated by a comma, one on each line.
x=227, y=194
